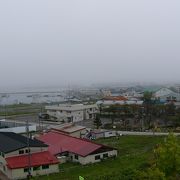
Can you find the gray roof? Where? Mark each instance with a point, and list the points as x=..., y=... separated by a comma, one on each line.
x=10, y=142
x=68, y=128
x=77, y=107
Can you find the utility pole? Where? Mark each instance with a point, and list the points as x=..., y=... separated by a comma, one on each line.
x=29, y=153
x=40, y=120
x=5, y=116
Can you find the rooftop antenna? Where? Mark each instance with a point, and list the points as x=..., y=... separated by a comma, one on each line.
x=29, y=153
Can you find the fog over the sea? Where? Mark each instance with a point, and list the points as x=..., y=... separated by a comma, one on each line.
x=61, y=42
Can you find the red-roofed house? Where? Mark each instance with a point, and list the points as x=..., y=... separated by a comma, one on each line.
x=115, y=98
x=16, y=158
x=41, y=163
x=76, y=149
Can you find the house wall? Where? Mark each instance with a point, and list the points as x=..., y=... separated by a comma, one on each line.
x=78, y=115
x=103, y=134
x=91, y=158
x=17, y=174
x=97, y=135
x=2, y=163
x=109, y=134
x=91, y=113
x=32, y=150
x=64, y=115
x=173, y=95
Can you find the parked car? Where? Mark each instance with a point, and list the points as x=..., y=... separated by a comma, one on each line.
x=43, y=116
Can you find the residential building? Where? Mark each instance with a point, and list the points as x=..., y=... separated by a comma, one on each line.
x=76, y=149
x=16, y=158
x=115, y=98
x=100, y=133
x=106, y=93
x=72, y=113
x=16, y=127
x=70, y=129
x=165, y=94
x=120, y=100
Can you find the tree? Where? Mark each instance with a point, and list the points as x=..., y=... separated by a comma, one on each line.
x=166, y=161
x=170, y=109
x=167, y=156
x=97, y=121
x=147, y=98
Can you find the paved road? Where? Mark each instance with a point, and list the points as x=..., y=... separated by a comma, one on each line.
x=87, y=124
x=144, y=133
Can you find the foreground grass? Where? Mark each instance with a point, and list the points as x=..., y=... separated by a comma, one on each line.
x=134, y=153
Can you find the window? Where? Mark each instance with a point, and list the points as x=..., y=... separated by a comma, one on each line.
x=105, y=155
x=25, y=169
x=21, y=152
x=45, y=166
x=36, y=168
x=97, y=157
x=27, y=151
x=76, y=157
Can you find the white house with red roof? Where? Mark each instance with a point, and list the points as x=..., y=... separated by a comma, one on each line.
x=17, y=159
x=76, y=149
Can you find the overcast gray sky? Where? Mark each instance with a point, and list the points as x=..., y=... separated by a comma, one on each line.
x=54, y=42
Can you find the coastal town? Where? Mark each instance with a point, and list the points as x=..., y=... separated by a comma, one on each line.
x=66, y=131
x=89, y=90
